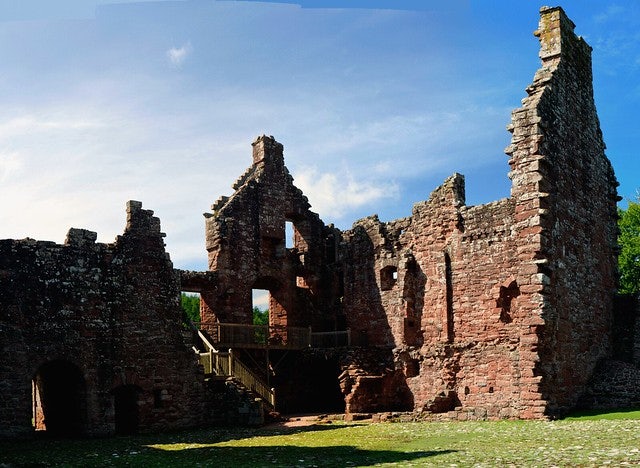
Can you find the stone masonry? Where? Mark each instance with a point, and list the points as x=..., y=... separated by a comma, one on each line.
x=502, y=310
x=96, y=330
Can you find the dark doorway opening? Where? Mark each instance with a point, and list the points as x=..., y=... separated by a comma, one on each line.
x=308, y=382
x=59, y=399
x=125, y=402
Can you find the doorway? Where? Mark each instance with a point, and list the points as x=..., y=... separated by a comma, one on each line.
x=59, y=399
x=125, y=402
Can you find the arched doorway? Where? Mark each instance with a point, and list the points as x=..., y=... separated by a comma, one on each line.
x=125, y=402
x=59, y=399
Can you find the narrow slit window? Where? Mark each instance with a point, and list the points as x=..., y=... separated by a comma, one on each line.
x=289, y=235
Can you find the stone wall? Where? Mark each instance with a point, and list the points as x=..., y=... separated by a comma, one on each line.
x=505, y=306
x=247, y=247
x=96, y=329
x=501, y=310
x=566, y=195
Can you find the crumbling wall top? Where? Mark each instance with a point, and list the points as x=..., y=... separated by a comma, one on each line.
x=267, y=150
x=80, y=237
x=139, y=220
x=556, y=32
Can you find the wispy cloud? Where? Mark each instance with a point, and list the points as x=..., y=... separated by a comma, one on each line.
x=336, y=193
x=178, y=55
x=111, y=125
x=10, y=164
x=612, y=12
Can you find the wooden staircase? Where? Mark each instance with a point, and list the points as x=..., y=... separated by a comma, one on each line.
x=226, y=364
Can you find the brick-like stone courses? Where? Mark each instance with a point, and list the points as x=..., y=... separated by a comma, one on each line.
x=456, y=340
x=505, y=307
x=565, y=192
x=109, y=312
x=247, y=249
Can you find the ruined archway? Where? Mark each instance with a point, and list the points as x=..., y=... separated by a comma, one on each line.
x=125, y=403
x=59, y=399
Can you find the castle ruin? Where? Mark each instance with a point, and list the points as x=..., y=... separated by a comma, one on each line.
x=501, y=310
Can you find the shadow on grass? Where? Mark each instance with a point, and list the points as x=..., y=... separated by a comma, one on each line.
x=331, y=456
x=224, y=434
x=188, y=448
x=130, y=452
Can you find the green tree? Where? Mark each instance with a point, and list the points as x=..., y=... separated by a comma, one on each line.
x=260, y=317
x=191, y=307
x=629, y=240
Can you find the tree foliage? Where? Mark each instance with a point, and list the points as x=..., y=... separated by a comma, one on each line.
x=629, y=240
x=260, y=317
x=191, y=307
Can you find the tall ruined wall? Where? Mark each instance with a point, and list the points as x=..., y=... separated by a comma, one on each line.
x=450, y=309
x=504, y=307
x=565, y=193
x=246, y=242
x=95, y=325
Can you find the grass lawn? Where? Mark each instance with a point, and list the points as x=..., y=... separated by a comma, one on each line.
x=588, y=440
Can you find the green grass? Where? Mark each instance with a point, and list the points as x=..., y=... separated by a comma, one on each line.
x=585, y=442
x=608, y=415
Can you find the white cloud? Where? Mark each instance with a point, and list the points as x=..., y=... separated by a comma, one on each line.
x=10, y=164
x=335, y=194
x=75, y=164
x=177, y=55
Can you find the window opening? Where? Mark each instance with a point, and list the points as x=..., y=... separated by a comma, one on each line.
x=505, y=299
x=159, y=395
x=260, y=306
x=260, y=314
x=190, y=303
x=289, y=235
x=388, y=277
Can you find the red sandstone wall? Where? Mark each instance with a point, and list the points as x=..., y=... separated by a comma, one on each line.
x=566, y=205
x=112, y=313
x=246, y=245
x=452, y=313
x=504, y=307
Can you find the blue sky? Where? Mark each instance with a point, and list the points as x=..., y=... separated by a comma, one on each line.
x=376, y=104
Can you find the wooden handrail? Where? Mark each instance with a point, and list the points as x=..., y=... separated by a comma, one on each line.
x=237, y=335
x=226, y=364
x=206, y=342
x=250, y=380
x=262, y=336
x=331, y=339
